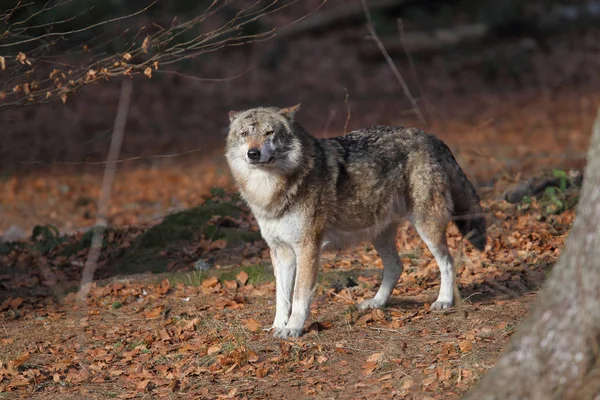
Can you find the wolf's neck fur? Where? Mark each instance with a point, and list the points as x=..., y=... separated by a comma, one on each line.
x=269, y=192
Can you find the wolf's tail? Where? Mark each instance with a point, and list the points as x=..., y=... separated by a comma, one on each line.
x=468, y=213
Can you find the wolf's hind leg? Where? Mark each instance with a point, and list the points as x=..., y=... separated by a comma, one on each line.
x=433, y=232
x=385, y=244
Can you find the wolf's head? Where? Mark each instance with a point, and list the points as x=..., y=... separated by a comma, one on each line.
x=264, y=138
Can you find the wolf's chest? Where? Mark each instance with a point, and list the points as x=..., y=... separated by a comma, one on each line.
x=289, y=229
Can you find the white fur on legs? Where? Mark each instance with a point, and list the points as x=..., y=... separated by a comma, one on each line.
x=306, y=279
x=444, y=260
x=446, y=296
x=385, y=244
x=284, y=265
x=300, y=313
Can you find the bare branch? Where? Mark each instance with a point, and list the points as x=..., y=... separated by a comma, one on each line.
x=390, y=62
x=34, y=72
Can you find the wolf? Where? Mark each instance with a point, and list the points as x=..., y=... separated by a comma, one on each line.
x=312, y=195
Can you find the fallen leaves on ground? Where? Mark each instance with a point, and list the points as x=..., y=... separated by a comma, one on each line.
x=142, y=336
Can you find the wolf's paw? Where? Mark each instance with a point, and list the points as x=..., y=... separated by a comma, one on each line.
x=441, y=305
x=284, y=333
x=371, y=303
x=280, y=323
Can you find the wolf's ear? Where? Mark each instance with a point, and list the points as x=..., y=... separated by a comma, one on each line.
x=290, y=111
x=233, y=114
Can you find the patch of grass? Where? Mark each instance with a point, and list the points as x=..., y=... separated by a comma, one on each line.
x=137, y=343
x=116, y=304
x=257, y=274
x=192, y=278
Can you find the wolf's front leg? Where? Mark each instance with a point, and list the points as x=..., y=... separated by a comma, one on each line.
x=307, y=259
x=284, y=266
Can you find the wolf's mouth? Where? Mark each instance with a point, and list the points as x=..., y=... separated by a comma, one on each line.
x=259, y=162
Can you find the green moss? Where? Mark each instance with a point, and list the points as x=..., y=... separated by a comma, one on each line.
x=174, y=232
x=183, y=225
x=233, y=236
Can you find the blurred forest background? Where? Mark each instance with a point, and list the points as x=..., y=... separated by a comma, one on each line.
x=506, y=83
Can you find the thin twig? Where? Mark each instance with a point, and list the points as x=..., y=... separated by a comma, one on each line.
x=396, y=72
x=348, y=111
x=411, y=62
x=120, y=161
x=109, y=176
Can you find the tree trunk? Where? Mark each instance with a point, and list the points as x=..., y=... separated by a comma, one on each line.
x=555, y=353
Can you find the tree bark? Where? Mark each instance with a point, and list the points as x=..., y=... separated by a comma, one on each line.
x=555, y=353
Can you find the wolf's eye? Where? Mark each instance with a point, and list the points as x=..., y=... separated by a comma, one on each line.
x=244, y=133
x=269, y=133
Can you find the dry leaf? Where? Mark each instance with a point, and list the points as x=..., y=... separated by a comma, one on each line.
x=164, y=335
x=2, y=63
x=210, y=282
x=230, y=284
x=252, y=324
x=154, y=313
x=385, y=377
x=146, y=44
x=369, y=367
x=22, y=58
x=16, y=302
x=378, y=315
x=252, y=356
x=242, y=277
x=148, y=72
x=143, y=384
x=466, y=346
x=375, y=357
x=17, y=362
x=213, y=349
x=126, y=56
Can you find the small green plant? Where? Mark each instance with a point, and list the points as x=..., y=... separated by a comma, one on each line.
x=564, y=179
x=116, y=305
x=46, y=238
x=555, y=200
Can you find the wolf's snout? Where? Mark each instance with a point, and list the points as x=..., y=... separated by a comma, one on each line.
x=254, y=154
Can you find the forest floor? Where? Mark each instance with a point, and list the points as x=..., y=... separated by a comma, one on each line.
x=185, y=333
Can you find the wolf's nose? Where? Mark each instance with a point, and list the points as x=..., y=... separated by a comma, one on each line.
x=254, y=154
